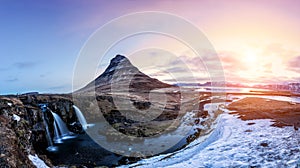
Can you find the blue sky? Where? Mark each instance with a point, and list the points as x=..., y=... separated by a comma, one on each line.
x=40, y=43
x=40, y=40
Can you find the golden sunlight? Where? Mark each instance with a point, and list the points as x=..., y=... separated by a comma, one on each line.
x=250, y=56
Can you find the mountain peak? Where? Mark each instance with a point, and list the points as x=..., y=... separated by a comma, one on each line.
x=118, y=58
x=121, y=72
x=119, y=62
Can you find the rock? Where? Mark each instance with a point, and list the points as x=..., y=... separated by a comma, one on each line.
x=264, y=144
x=295, y=127
x=22, y=131
x=38, y=127
x=76, y=128
x=14, y=138
x=142, y=105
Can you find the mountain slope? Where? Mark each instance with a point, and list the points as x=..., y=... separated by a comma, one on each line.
x=121, y=75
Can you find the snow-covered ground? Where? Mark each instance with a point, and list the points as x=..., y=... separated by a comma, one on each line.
x=236, y=143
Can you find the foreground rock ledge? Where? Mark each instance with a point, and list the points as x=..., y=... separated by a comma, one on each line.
x=283, y=113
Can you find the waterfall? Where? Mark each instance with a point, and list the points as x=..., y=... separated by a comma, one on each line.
x=57, y=137
x=61, y=131
x=51, y=147
x=81, y=118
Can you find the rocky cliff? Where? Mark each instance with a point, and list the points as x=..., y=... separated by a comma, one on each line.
x=22, y=129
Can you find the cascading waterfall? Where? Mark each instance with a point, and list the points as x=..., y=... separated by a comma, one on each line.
x=57, y=138
x=51, y=147
x=61, y=131
x=81, y=118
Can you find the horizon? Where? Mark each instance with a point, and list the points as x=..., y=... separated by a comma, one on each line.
x=256, y=41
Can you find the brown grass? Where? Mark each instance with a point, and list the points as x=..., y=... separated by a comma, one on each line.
x=281, y=112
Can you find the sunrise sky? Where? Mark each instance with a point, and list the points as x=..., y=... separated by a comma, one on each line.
x=257, y=41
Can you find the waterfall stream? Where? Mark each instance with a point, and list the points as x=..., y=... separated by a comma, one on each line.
x=57, y=137
x=61, y=131
x=81, y=118
x=51, y=147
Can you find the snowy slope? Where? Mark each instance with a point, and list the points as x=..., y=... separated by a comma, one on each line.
x=236, y=143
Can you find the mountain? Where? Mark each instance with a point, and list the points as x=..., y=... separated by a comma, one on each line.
x=121, y=75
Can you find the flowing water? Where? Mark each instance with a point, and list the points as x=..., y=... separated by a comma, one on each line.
x=61, y=131
x=51, y=147
x=81, y=118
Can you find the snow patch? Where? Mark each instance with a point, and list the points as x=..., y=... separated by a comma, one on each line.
x=39, y=163
x=236, y=143
x=16, y=117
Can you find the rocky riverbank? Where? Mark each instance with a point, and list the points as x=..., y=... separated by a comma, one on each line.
x=23, y=130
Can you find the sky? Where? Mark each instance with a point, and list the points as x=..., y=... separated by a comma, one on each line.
x=256, y=41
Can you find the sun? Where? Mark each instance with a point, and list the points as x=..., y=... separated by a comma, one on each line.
x=253, y=65
x=250, y=56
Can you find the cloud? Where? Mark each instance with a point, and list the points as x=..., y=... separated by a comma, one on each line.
x=59, y=88
x=12, y=80
x=4, y=69
x=231, y=61
x=207, y=62
x=24, y=65
x=176, y=69
x=187, y=79
x=271, y=63
x=19, y=65
x=186, y=68
x=294, y=64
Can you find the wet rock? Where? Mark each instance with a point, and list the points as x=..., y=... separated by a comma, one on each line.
x=76, y=128
x=38, y=127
